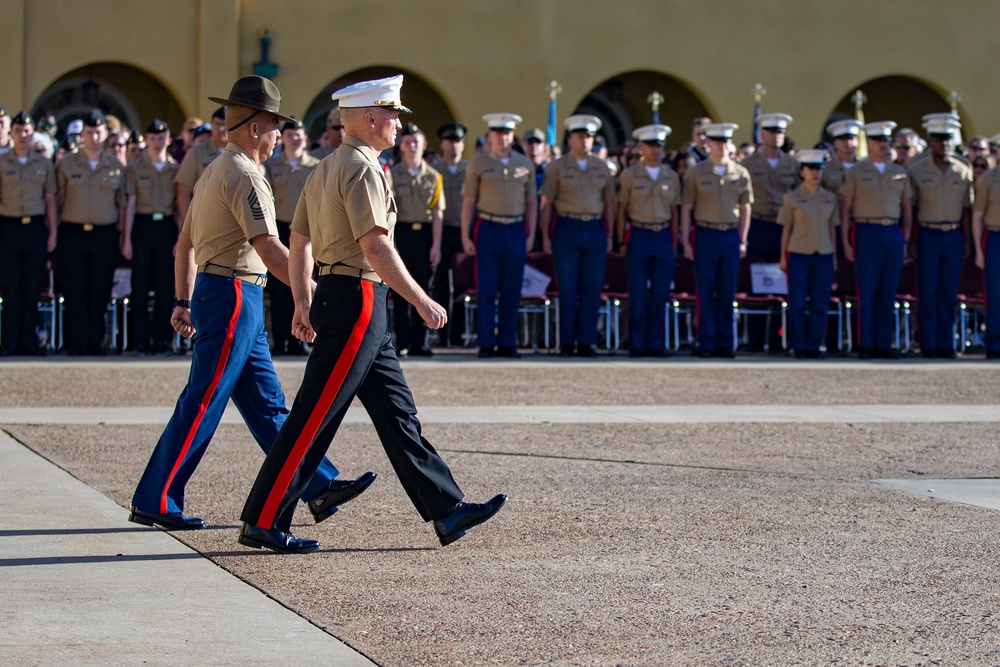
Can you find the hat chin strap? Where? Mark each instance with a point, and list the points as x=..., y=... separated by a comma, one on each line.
x=243, y=122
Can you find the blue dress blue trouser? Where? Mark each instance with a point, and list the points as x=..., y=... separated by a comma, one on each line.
x=810, y=281
x=500, y=259
x=939, y=267
x=230, y=359
x=991, y=254
x=878, y=254
x=716, y=268
x=649, y=266
x=579, y=251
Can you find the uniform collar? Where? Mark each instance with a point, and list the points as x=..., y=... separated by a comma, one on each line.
x=362, y=148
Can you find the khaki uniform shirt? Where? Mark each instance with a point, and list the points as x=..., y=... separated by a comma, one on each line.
x=195, y=163
x=154, y=190
x=346, y=197
x=811, y=217
x=453, y=193
x=940, y=196
x=988, y=198
x=717, y=198
x=234, y=206
x=501, y=189
x=875, y=195
x=574, y=191
x=91, y=196
x=414, y=194
x=648, y=200
x=287, y=182
x=834, y=175
x=23, y=186
x=771, y=184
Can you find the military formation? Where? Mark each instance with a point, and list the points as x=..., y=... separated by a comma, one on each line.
x=820, y=214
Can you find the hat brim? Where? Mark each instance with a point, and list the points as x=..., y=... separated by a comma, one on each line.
x=239, y=103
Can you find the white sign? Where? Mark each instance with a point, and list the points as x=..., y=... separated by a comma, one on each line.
x=768, y=279
x=535, y=282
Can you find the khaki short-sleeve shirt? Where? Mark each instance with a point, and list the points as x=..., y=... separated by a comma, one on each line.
x=345, y=197
x=234, y=206
x=715, y=198
x=811, y=216
x=940, y=196
x=154, y=190
x=498, y=188
x=875, y=195
x=91, y=196
x=453, y=183
x=988, y=198
x=648, y=200
x=417, y=196
x=575, y=191
x=771, y=184
x=23, y=186
x=834, y=175
x=195, y=163
x=287, y=182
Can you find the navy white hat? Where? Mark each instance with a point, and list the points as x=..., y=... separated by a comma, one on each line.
x=880, y=128
x=505, y=122
x=844, y=128
x=720, y=131
x=583, y=123
x=774, y=121
x=812, y=156
x=382, y=93
x=652, y=134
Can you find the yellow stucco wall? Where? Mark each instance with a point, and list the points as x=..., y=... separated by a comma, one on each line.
x=488, y=56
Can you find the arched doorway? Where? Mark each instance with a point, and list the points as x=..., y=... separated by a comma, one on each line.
x=125, y=91
x=429, y=108
x=901, y=99
x=620, y=103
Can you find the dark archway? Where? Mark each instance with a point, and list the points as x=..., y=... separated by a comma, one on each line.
x=620, y=103
x=429, y=109
x=129, y=93
x=901, y=99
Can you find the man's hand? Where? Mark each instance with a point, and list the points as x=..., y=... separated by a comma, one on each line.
x=432, y=313
x=435, y=255
x=468, y=246
x=126, y=247
x=180, y=320
x=301, y=327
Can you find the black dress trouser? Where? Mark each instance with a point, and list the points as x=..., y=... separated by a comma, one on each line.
x=352, y=356
x=86, y=257
x=22, y=278
x=152, y=270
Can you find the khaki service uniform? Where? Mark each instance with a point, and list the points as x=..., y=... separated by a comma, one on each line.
x=770, y=185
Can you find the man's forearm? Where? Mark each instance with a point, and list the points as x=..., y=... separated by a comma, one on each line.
x=274, y=255
x=185, y=269
x=300, y=264
x=389, y=267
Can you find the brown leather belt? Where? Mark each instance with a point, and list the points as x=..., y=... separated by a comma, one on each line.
x=651, y=226
x=720, y=226
x=885, y=222
x=226, y=272
x=341, y=270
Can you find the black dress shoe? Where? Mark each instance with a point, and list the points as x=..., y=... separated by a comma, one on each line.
x=339, y=491
x=567, y=350
x=275, y=540
x=946, y=354
x=465, y=516
x=508, y=352
x=864, y=353
x=487, y=352
x=635, y=353
x=704, y=354
x=657, y=353
x=723, y=353
x=421, y=352
x=993, y=354
x=586, y=351
x=815, y=354
x=169, y=521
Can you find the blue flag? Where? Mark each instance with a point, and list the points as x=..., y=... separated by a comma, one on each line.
x=756, y=127
x=550, y=132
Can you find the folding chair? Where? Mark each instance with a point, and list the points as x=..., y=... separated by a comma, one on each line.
x=971, y=306
x=615, y=298
x=683, y=300
x=462, y=287
x=748, y=304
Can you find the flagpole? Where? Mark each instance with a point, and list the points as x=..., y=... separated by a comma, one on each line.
x=655, y=99
x=758, y=94
x=550, y=133
x=859, y=100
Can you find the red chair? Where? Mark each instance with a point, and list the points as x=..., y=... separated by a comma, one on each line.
x=747, y=303
x=462, y=288
x=683, y=300
x=905, y=308
x=615, y=297
x=971, y=305
x=545, y=305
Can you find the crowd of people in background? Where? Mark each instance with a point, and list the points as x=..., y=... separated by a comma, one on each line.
x=95, y=195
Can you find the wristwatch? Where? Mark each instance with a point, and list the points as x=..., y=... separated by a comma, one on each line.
x=182, y=303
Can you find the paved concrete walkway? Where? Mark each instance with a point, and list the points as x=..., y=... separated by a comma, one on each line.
x=568, y=414
x=83, y=586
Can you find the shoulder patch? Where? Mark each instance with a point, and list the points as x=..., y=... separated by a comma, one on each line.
x=256, y=211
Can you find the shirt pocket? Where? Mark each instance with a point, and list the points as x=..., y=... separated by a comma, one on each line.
x=667, y=194
x=111, y=182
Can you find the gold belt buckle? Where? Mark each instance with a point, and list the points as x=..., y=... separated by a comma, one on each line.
x=88, y=227
x=26, y=220
x=417, y=226
x=157, y=216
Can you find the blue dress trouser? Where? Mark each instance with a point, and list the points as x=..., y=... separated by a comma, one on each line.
x=230, y=359
x=878, y=254
x=716, y=268
x=500, y=259
x=580, y=253
x=939, y=268
x=810, y=281
x=991, y=254
x=649, y=267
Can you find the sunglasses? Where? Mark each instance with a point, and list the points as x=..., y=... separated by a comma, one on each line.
x=980, y=165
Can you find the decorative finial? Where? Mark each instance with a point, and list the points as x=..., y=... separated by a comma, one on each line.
x=859, y=99
x=953, y=99
x=554, y=89
x=759, y=92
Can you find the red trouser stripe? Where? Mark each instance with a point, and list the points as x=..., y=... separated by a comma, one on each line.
x=220, y=368
x=322, y=407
